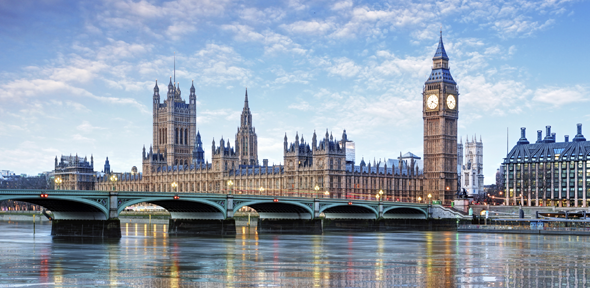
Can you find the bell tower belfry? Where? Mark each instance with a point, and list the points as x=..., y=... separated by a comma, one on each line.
x=440, y=113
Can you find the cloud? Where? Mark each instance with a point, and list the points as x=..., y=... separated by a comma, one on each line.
x=300, y=105
x=342, y=5
x=273, y=42
x=172, y=18
x=267, y=15
x=497, y=97
x=344, y=67
x=19, y=90
x=313, y=27
x=296, y=5
x=508, y=28
x=561, y=96
x=86, y=127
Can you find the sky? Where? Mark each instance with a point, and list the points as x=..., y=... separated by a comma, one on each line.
x=77, y=77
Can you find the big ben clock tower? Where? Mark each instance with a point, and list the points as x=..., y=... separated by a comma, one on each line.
x=440, y=113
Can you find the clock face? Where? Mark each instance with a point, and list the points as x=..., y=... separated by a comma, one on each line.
x=451, y=103
x=432, y=101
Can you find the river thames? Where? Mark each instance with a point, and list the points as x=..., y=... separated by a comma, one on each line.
x=146, y=256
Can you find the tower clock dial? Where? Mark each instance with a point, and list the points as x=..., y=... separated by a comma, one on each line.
x=451, y=102
x=432, y=101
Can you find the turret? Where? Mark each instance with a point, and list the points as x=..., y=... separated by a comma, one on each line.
x=156, y=96
x=170, y=89
x=193, y=95
x=285, y=144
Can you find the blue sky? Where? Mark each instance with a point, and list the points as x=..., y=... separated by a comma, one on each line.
x=77, y=76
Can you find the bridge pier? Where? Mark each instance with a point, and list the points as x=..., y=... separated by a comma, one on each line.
x=110, y=228
x=202, y=226
x=350, y=225
x=290, y=226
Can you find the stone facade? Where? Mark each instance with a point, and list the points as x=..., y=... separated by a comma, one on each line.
x=309, y=170
x=316, y=169
x=74, y=173
x=174, y=124
x=440, y=114
x=471, y=169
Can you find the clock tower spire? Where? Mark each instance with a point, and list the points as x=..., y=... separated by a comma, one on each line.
x=440, y=113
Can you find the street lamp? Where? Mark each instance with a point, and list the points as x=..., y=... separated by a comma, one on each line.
x=230, y=184
x=317, y=190
x=419, y=199
x=429, y=197
x=380, y=195
x=261, y=189
x=174, y=186
x=377, y=197
x=327, y=193
x=113, y=180
x=58, y=182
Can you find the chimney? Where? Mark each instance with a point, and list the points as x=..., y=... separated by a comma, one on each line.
x=579, y=137
x=567, y=138
x=265, y=162
x=539, y=136
x=549, y=137
x=522, y=139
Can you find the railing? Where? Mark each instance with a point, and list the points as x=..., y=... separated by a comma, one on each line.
x=521, y=227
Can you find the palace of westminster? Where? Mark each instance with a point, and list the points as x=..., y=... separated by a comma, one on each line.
x=319, y=168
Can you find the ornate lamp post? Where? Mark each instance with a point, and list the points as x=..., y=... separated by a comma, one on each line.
x=327, y=194
x=114, y=179
x=261, y=190
x=317, y=189
x=230, y=184
x=419, y=199
x=58, y=182
x=429, y=198
x=174, y=187
x=380, y=195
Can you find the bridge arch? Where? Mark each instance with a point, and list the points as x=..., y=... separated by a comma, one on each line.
x=397, y=212
x=352, y=211
x=268, y=209
x=185, y=208
x=67, y=208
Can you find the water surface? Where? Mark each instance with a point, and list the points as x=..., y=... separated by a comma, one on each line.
x=147, y=256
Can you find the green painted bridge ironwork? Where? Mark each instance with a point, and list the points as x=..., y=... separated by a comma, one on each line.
x=103, y=205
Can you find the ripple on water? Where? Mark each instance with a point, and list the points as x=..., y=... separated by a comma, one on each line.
x=147, y=256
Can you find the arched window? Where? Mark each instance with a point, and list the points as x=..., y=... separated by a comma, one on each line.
x=176, y=136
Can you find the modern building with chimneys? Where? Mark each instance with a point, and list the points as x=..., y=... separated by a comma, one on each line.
x=547, y=172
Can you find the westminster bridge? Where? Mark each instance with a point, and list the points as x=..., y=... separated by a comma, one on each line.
x=95, y=213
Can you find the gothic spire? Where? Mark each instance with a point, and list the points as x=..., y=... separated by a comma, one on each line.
x=246, y=99
x=440, y=51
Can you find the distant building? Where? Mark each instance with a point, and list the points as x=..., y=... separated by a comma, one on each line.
x=470, y=168
x=74, y=173
x=350, y=150
x=548, y=173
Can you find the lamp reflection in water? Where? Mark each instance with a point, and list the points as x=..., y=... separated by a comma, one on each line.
x=379, y=270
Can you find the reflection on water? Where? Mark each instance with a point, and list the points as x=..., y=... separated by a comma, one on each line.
x=148, y=256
